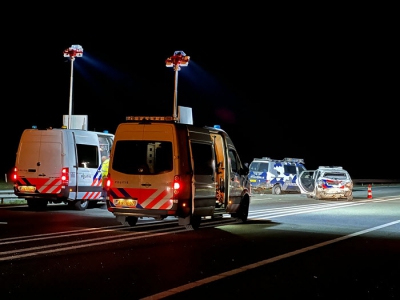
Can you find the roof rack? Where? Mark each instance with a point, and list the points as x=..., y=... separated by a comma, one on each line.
x=287, y=159
x=297, y=160
x=330, y=167
x=151, y=118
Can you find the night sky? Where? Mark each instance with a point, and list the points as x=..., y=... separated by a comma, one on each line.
x=322, y=88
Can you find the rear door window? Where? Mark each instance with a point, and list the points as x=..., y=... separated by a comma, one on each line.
x=88, y=156
x=143, y=157
x=203, y=158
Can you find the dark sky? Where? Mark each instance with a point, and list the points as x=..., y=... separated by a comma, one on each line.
x=322, y=87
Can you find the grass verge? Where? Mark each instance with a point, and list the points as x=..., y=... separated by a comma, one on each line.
x=6, y=185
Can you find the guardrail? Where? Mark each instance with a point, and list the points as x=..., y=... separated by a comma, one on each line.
x=7, y=194
x=376, y=181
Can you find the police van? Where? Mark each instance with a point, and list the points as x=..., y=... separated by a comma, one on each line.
x=58, y=165
x=275, y=176
x=164, y=167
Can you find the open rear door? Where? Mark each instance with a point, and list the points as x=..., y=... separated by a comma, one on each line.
x=306, y=182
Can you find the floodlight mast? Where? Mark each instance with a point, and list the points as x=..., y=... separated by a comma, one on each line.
x=72, y=52
x=179, y=59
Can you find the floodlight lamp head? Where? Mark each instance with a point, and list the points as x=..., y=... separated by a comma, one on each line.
x=179, y=52
x=178, y=59
x=74, y=51
x=77, y=47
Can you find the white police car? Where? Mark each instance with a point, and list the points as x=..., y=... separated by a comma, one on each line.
x=326, y=183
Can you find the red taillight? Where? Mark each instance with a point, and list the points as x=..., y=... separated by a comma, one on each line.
x=65, y=176
x=177, y=185
x=14, y=174
x=107, y=182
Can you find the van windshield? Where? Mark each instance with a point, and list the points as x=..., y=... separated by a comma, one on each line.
x=259, y=166
x=142, y=157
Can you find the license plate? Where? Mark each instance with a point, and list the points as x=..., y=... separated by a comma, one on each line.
x=27, y=188
x=125, y=202
x=253, y=180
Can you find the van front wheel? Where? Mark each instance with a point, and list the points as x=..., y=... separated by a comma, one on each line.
x=243, y=212
x=276, y=189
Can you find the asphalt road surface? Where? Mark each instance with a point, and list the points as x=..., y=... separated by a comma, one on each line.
x=291, y=247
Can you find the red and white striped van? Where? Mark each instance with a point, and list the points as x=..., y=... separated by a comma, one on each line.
x=60, y=166
x=160, y=168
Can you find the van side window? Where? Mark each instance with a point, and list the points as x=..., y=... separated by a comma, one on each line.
x=142, y=157
x=203, y=157
x=88, y=156
x=289, y=169
x=234, y=161
x=105, y=145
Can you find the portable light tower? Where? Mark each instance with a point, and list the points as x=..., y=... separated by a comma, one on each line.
x=72, y=52
x=179, y=59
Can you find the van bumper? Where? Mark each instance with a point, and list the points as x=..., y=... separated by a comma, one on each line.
x=148, y=213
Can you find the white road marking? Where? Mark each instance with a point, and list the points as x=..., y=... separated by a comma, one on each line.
x=197, y=283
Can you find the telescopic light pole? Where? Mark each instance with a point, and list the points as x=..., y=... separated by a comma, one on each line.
x=72, y=52
x=179, y=59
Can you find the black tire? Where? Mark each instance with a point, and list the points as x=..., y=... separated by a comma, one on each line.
x=242, y=214
x=194, y=223
x=42, y=203
x=37, y=204
x=31, y=203
x=79, y=204
x=276, y=189
x=131, y=221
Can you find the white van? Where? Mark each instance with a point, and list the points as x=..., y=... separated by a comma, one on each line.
x=161, y=168
x=60, y=166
